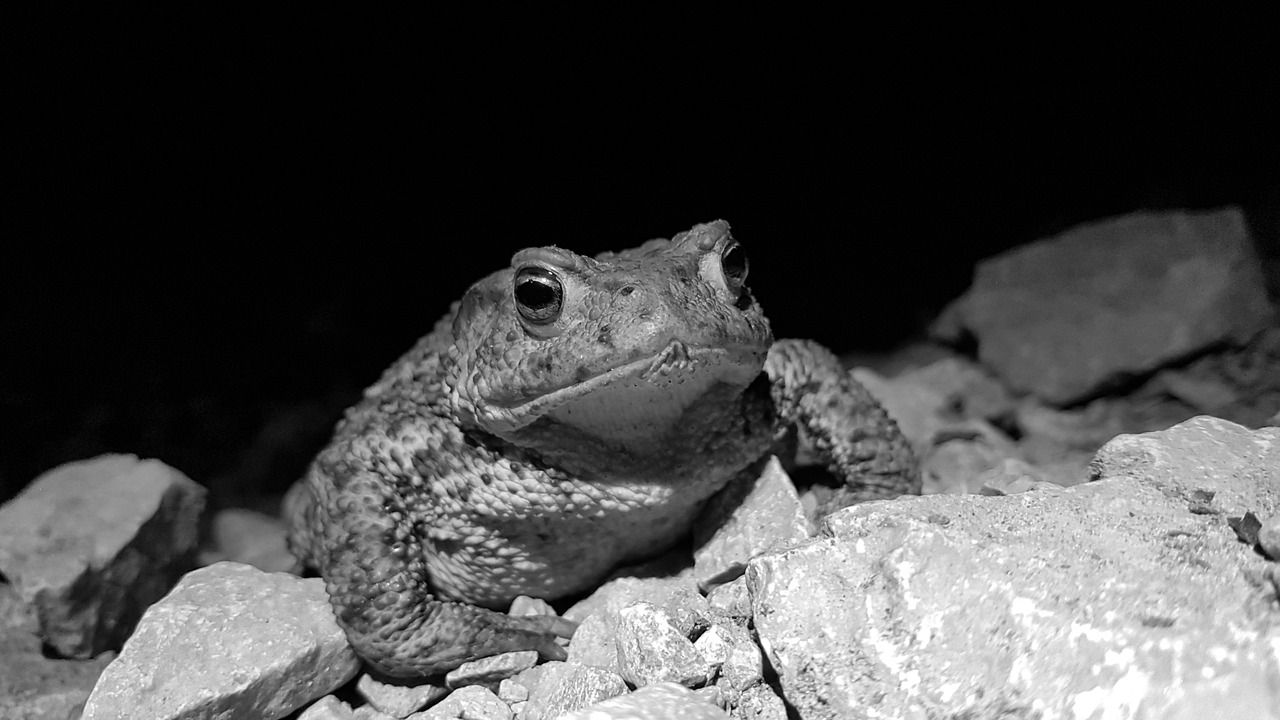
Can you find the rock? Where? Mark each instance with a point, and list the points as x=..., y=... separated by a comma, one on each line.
x=489, y=671
x=328, y=708
x=745, y=520
x=1143, y=290
x=511, y=690
x=473, y=702
x=654, y=702
x=743, y=663
x=595, y=642
x=1269, y=537
x=652, y=650
x=228, y=639
x=251, y=538
x=33, y=687
x=525, y=605
x=731, y=600
x=91, y=544
x=1109, y=599
x=1012, y=476
x=759, y=702
x=569, y=687
x=396, y=700
x=620, y=592
x=1237, y=468
x=713, y=645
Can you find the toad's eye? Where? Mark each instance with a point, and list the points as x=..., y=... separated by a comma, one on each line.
x=539, y=294
x=733, y=260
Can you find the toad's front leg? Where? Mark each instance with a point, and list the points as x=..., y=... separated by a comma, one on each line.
x=839, y=421
x=376, y=575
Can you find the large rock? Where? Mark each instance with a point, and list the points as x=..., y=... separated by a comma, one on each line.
x=91, y=544
x=1127, y=597
x=229, y=641
x=1066, y=317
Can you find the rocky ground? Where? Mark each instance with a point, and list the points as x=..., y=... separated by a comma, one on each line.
x=1098, y=422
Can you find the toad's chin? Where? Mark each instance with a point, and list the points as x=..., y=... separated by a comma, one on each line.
x=642, y=398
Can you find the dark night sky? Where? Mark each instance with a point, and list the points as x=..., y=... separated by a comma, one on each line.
x=218, y=218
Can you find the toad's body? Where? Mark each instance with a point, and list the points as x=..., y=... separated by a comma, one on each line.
x=570, y=414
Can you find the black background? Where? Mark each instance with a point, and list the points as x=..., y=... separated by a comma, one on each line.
x=225, y=226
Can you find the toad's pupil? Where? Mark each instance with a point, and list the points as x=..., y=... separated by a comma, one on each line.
x=734, y=262
x=536, y=294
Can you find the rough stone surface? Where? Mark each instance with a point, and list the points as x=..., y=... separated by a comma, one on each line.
x=328, y=708
x=473, y=702
x=398, y=701
x=491, y=670
x=512, y=690
x=251, y=538
x=731, y=600
x=594, y=643
x=1238, y=469
x=228, y=641
x=652, y=650
x=745, y=520
x=743, y=663
x=1269, y=537
x=1127, y=597
x=1012, y=476
x=661, y=701
x=33, y=687
x=525, y=605
x=1143, y=290
x=91, y=544
x=620, y=592
x=568, y=687
x=760, y=702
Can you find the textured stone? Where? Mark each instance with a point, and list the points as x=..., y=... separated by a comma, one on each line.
x=228, y=641
x=1238, y=469
x=474, y=702
x=397, y=700
x=595, y=642
x=32, y=686
x=661, y=701
x=652, y=650
x=760, y=702
x=1137, y=292
x=91, y=544
x=489, y=671
x=745, y=520
x=1118, y=598
x=1012, y=476
x=328, y=708
x=569, y=687
x=731, y=600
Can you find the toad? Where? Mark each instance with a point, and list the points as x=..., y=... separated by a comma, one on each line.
x=568, y=415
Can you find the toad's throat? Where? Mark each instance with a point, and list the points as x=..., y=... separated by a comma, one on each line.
x=646, y=397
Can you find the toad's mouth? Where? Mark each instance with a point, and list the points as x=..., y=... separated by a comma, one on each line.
x=646, y=396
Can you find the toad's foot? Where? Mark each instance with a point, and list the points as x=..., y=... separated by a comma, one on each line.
x=839, y=422
x=377, y=582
